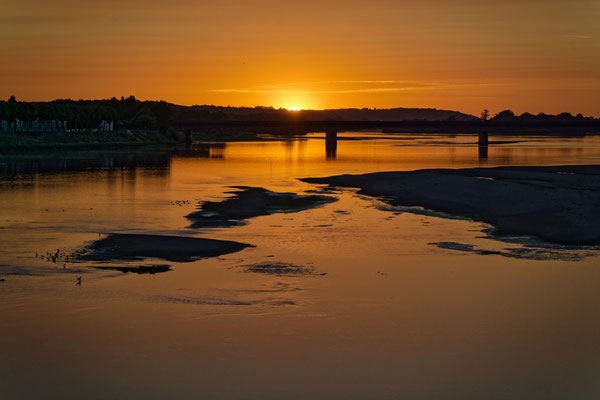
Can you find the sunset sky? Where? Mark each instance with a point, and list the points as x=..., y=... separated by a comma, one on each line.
x=465, y=55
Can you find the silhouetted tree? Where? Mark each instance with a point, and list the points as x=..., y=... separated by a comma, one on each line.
x=485, y=114
x=12, y=99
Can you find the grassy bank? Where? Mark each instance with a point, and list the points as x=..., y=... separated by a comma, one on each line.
x=24, y=141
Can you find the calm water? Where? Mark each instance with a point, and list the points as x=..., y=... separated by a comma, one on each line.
x=395, y=317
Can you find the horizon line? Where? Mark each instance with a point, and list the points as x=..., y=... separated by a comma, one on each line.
x=124, y=98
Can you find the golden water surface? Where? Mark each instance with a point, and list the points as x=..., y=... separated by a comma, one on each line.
x=393, y=318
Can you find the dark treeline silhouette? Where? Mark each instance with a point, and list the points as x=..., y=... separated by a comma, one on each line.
x=126, y=113
x=508, y=115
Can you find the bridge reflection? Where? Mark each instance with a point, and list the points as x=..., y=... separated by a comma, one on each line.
x=331, y=145
x=483, y=145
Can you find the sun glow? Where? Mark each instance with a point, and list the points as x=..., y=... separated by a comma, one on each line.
x=293, y=108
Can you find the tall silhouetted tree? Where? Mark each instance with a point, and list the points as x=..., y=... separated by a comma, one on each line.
x=485, y=114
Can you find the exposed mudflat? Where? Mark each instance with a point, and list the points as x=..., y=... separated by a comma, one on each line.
x=249, y=202
x=139, y=269
x=280, y=269
x=16, y=270
x=557, y=204
x=528, y=252
x=119, y=246
x=225, y=301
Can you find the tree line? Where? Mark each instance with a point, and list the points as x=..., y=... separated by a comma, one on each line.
x=508, y=115
x=88, y=114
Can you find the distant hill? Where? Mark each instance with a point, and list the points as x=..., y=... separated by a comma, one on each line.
x=215, y=113
x=393, y=114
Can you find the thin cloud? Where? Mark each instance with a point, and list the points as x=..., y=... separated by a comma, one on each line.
x=351, y=82
x=338, y=91
x=577, y=36
x=405, y=86
x=382, y=82
x=398, y=86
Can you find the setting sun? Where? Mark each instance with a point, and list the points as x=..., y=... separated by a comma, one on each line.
x=293, y=108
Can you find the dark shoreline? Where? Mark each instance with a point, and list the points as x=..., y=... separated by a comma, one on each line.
x=225, y=131
x=557, y=204
x=25, y=142
x=573, y=127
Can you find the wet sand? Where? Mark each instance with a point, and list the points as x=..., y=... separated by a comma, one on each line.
x=139, y=269
x=119, y=246
x=281, y=269
x=557, y=204
x=250, y=202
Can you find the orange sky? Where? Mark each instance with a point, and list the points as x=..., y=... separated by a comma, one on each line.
x=466, y=55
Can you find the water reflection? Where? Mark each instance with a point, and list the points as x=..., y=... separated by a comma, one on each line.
x=331, y=145
x=385, y=281
x=483, y=152
x=205, y=150
x=69, y=160
x=349, y=151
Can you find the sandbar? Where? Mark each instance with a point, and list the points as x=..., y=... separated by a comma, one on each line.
x=121, y=246
x=557, y=204
x=249, y=202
